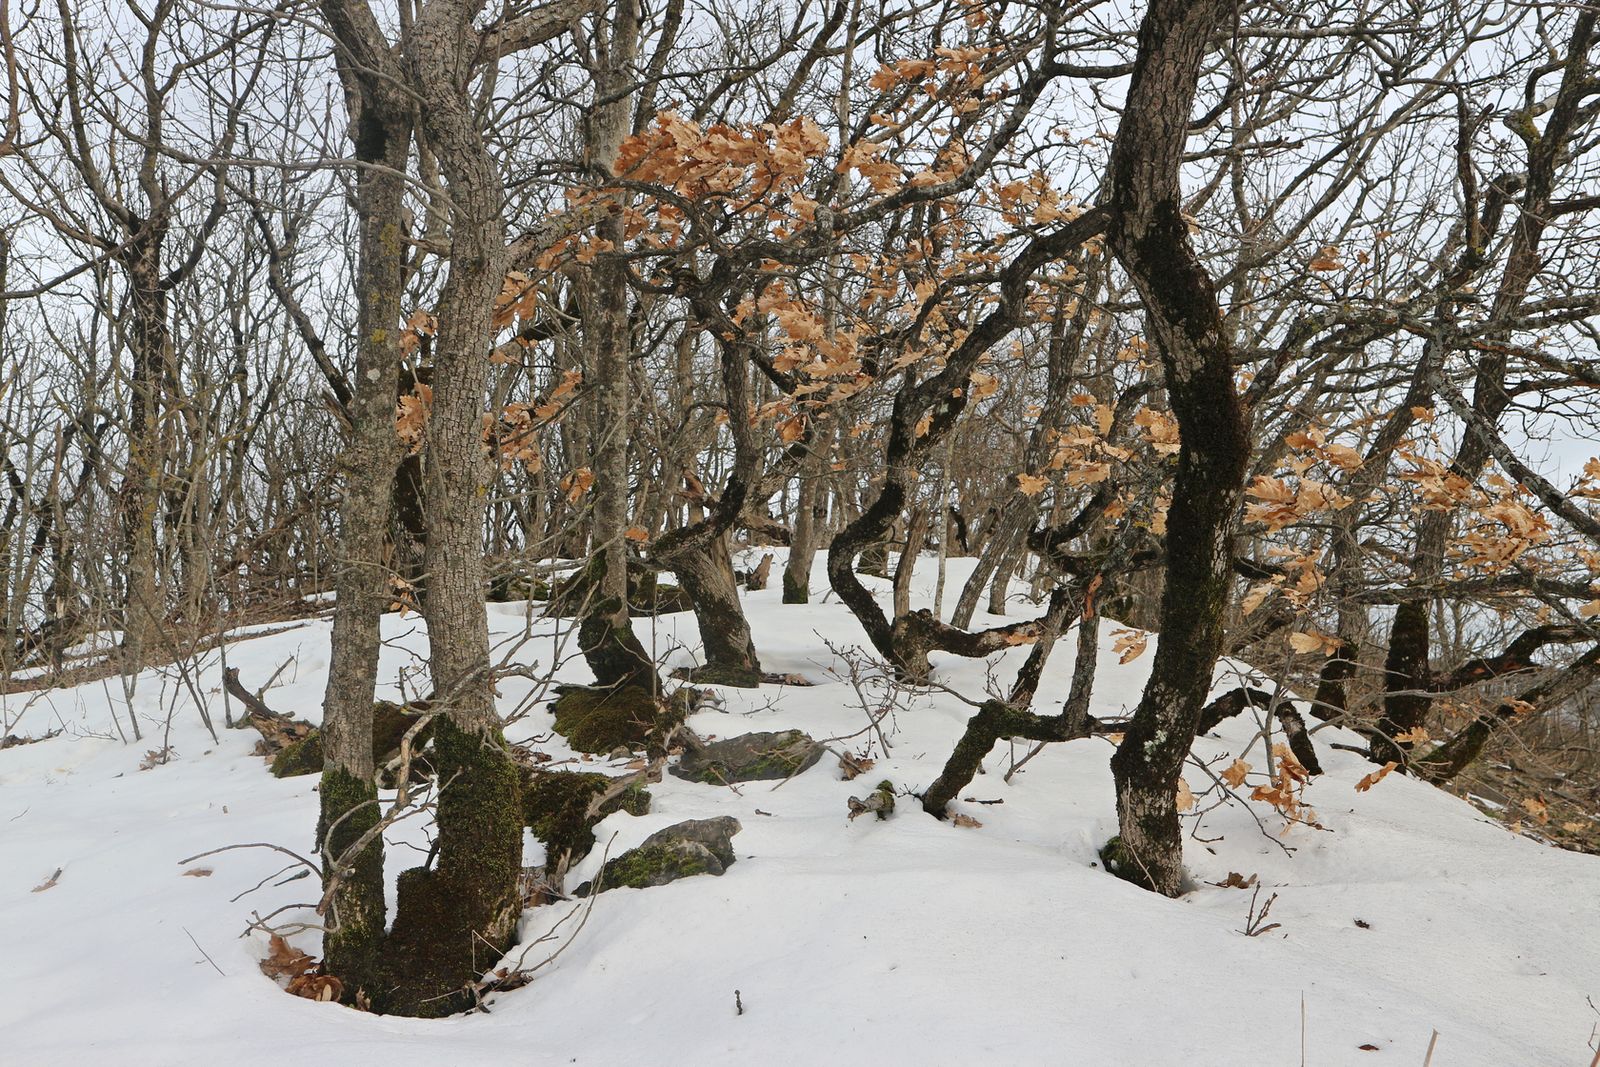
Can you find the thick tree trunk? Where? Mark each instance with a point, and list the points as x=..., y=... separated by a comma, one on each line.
x=381, y=130
x=1150, y=238
x=707, y=578
x=456, y=918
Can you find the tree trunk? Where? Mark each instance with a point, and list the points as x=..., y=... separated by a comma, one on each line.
x=611, y=643
x=454, y=920
x=808, y=513
x=141, y=486
x=1149, y=236
x=707, y=578
x=381, y=129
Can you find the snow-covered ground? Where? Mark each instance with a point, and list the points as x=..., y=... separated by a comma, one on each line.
x=907, y=941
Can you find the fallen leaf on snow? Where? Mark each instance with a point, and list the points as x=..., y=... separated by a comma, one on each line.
x=284, y=960
x=319, y=987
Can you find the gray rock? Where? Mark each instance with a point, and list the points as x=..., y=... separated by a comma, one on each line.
x=685, y=849
x=750, y=758
x=715, y=834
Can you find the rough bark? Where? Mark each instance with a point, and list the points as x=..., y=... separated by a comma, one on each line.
x=380, y=126
x=808, y=513
x=607, y=343
x=1150, y=238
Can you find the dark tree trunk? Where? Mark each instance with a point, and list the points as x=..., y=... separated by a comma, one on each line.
x=707, y=578
x=1150, y=238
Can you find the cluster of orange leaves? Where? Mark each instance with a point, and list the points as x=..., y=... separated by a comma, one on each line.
x=721, y=159
x=1286, y=790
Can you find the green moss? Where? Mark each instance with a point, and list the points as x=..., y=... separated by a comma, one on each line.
x=775, y=765
x=302, y=757
x=354, y=940
x=736, y=677
x=555, y=805
x=1119, y=859
x=795, y=590
x=599, y=720
x=454, y=920
x=651, y=865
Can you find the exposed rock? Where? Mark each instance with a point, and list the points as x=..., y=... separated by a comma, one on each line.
x=715, y=834
x=699, y=846
x=750, y=758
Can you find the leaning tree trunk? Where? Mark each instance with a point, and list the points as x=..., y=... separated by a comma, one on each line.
x=698, y=554
x=707, y=579
x=381, y=130
x=1150, y=238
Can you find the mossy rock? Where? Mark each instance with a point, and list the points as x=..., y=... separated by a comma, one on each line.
x=301, y=757
x=390, y=722
x=753, y=757
x=651, y=865
x=1119, y=859
x=555, y=805
x=599, y=720
x=698, y=846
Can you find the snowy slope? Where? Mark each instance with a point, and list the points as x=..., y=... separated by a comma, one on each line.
x=908, y=941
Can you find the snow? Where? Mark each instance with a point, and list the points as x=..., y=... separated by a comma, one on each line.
x=906, y=941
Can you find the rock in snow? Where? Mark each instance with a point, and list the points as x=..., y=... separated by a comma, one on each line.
x=698, y=846
x=750, y=758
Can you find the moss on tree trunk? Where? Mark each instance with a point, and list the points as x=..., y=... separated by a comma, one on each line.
x=455, y=920
x=353, y=945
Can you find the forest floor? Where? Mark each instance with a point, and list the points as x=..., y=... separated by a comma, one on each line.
x=904, y=941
